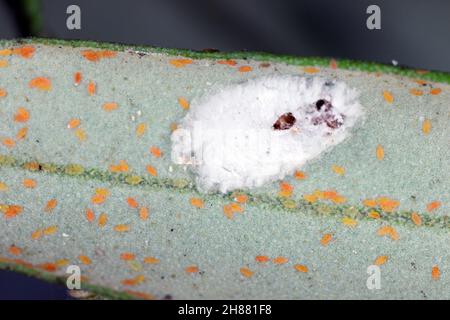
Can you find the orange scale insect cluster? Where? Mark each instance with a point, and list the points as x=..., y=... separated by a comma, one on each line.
x=143, y=212
x=230, y=209
x=330, y=195
x=122, y=166
x=386, y=204
x=237, y=205
x=95, y=56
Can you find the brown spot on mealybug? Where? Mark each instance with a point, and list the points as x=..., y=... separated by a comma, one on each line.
x=284, y=122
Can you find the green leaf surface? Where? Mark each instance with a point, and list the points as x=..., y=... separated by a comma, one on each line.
x=51, y=177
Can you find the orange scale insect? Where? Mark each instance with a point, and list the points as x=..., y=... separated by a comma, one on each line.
x=227, y=211
x=151, y=260
x=386, y=204
x=326, y=238
x=102, y=192
x=415, y=217
x=151, y=170
x=286, y=190
x=300, y=175
x=191, y=269
x=380, y=260
x=388, y=231
x=133, y=281
x=98, y=199
x=432, y=206
x=228, y=62
x=41, y=83
x=140, y=129
x=280, y=260
x=121, y=228
x=242, y=198
x=311, y=198
x=339, y=199
x=123, y=166
x=416, y=92
x=61, y=262
x=48, y=266
x=435, y=91
x=329, y=194
x=51, y=204
x=84, y=259
x=90, y=55
x=6, y=52
x=388, y=97
x=32, y=166
x=262, y=259
x=301, y=268
x=73, y=123
x=90, y=215
x=3, y=93
x=110, y=106
x=349, y=222
x=311, y=70
x=127, y=256
x=132, y=202
x=50, y=230
x=36, y=234
x=235, y=207
x=143, y=213
x=426, y=126
x=91, y=88
x=379, y=152
x=102, y=220
x=245, y=69
x=374, y=215
x=22, y=133
x=338, y=170
x=107, y=54
x=29, y=183
x=80, y=134
x=179, y=63
x=12, y=211
x=156, y=152
x=183, y=103
x=14, y=250
x=77, y=77
x=435, y=273
x=26, y=52
x=371, y=203
x=246, y=272
x=197, y=202
x=8, y=142
x=22, y=115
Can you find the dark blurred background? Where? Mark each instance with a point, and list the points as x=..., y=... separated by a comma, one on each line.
x=414, y=33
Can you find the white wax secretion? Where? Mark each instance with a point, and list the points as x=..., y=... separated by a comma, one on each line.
x=232, y=138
